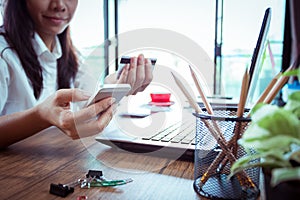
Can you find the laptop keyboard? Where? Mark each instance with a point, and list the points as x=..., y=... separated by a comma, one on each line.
x=179, y=132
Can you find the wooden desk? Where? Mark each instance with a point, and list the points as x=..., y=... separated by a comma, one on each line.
x=29, y=167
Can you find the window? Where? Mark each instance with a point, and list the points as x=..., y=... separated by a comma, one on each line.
x=239, y=39
x=196, y=20
x=87, y=31
x=191, y=26
x=174, y=32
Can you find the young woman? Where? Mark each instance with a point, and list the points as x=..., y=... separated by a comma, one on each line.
x=40, y=74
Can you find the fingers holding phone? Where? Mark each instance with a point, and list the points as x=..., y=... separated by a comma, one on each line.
x=93, y=119
x=99, y=109
x=56, y=111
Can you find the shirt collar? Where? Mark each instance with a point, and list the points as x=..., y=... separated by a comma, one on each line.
x=40, y=47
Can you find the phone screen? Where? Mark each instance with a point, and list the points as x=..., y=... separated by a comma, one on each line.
x=117, y=91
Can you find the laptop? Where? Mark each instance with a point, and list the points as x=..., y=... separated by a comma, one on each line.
x=159, y=134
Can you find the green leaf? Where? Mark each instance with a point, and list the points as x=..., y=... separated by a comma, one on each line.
x=293, y=103
x=275, y=121
x=280, y=175
x=295, y=72
x=281, y=122
x=252, y=134
x=257, y=107
x=274, y=135
x=273, y=143
x=261, y=111
x=266, y=159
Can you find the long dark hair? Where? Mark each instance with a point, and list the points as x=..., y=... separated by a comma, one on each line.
x=19, y=31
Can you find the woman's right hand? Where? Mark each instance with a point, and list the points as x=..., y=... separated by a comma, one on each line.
x=83, y=123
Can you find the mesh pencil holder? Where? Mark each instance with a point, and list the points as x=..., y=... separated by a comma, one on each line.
x=215, y=150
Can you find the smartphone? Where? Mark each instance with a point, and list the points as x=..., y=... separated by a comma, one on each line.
x=117, y=91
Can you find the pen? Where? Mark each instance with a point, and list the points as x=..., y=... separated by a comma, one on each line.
x=107, y=183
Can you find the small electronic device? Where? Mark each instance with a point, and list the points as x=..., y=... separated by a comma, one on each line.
x=117, y=91
x=126, y=60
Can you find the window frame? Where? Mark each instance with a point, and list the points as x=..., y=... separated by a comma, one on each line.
x=218, y=55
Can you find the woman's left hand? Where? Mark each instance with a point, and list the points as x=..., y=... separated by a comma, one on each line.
x=138, y=74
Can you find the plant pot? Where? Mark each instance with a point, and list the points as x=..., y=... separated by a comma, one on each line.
x=288, y=190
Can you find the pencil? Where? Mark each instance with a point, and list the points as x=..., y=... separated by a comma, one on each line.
x=266, y=92
x=268, y=89
x=200, y=90
x=216, y=133
x=277, y=87
x=232, y=144
x=189, y=97
x=244, y=177
x=205, y=101
x=243, y=94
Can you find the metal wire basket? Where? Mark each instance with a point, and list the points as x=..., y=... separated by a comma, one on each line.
x=215, y=150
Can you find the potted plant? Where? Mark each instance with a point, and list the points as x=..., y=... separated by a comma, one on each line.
x=272, y=142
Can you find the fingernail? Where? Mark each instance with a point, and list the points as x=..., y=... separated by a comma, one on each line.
x=113, y=100
x=141, y=60
x=133, y=60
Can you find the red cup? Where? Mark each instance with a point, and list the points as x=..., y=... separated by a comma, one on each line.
x=160, y=97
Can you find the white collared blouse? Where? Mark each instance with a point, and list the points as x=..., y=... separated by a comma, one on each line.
x=16, y=92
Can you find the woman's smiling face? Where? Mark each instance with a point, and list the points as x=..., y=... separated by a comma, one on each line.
x=51, y=17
